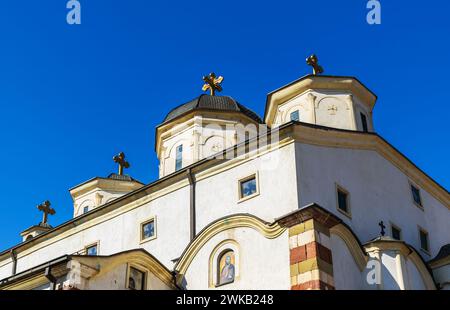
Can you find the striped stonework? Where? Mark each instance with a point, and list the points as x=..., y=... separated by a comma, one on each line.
x=310, y=257
x=311, y=262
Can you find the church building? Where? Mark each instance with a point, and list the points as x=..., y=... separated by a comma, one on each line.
x=307, y=197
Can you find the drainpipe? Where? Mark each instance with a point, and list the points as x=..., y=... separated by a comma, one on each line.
x=50, y=277
x=14, y=262
x=191, y=179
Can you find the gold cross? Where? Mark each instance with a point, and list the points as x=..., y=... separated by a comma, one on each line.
x=333, y=109
x=120, y=159
x=212, y=83
x=313, y=61
x=45, y=207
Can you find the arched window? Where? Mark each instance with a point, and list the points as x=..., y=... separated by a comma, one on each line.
x=226, y=270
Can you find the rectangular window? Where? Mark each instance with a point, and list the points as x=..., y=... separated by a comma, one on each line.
x=85, y=210
x=148, y=230
x=416, y=195
x=396, y=232
x=92, y=250
x=179, y=158
x=342, y=201
x=364, y=122
x=248, y=187
x=136, y=279
x=424, y=243
x=295, y=116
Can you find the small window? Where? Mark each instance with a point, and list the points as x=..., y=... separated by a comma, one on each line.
x=148, y=230
x=179, y=158
x=364, y=122
x=295, y=116
x=91, y=250
x=416, y=195
x=342, y=200
x=396, y=232
x=248, y=187
x=424, y=243
x=85, y=210
x=136, y=279
x=226, y=270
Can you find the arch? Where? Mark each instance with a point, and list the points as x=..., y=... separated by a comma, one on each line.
x=340, y=100
x=86, y=203
x=176, y=144
x=353, y=245
x=138, y=257
x=270, y=231
x=286, y=115
x=207, y=150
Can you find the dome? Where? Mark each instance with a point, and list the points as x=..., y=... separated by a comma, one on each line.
x=211, y=103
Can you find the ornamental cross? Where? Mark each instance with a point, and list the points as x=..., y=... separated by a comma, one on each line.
x=313, y=61
x=333, y=109
x=120, y=160
x=212, y=83
x=46, y=209
x=381, y=224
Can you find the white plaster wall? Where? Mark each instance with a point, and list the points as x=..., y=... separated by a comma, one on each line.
x=5, y=268
x=413, y=277
x=258, y=256
x=114, y=279
x=218, y=195
x=122, y=233
x=378, y=191
x=346, y=273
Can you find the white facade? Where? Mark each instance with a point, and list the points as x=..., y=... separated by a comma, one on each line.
x=302, y=165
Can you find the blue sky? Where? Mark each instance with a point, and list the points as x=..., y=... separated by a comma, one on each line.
x=74, y=96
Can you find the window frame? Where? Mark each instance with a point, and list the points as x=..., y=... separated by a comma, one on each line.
x=245, y=179
x=394, y=226
x=128, y=273
x=91, y=245
x=364, y=123
x=141, y=230
x=338, y=189
x=298, y=114
x=420, y=231
x=411, y=185
x=180, y=162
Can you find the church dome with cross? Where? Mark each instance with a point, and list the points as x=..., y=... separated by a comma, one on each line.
x=203, y=127
x=212, y=103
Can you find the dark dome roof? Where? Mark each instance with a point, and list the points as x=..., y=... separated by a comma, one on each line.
x=207, y=102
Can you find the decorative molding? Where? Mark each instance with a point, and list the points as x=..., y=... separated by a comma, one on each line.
x=353, y=245
x=270, y=231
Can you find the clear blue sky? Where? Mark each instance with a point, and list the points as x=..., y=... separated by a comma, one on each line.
x=71, y=97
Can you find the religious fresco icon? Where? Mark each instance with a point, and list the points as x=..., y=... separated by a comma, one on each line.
x=227, y=267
